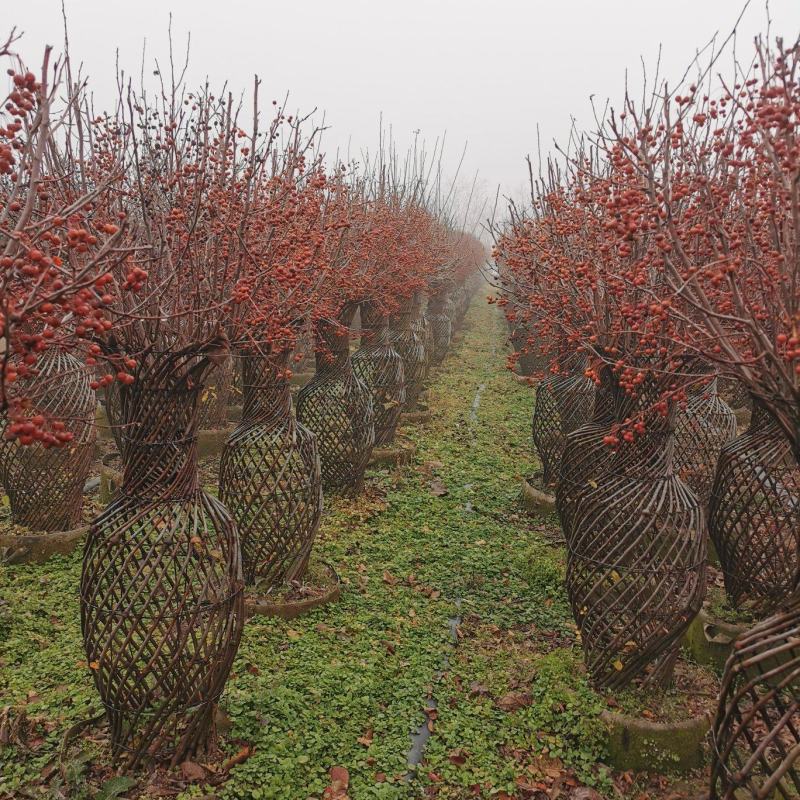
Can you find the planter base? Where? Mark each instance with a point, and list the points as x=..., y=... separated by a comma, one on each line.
x=535, y=501
x=36, y=548
x=710, y=640
x=293, y=608
x=393, y=455
x=415, y=417
x=640, y=745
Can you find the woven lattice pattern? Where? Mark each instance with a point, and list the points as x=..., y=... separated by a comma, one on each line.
x=162, y=608
x=380, y=367
x=563, y=404
x=411, y=349
x=337, y=407
x=636, y=560
x=45, y=485
x=270, y=479
x=754, y=515
x=701, y=429
x=531, y=360
x=756, y=733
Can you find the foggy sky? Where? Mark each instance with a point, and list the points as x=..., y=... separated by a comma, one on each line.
x=485, y=72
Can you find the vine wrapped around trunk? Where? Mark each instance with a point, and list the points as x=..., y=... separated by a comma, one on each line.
x=162, y=608
x=270, y=477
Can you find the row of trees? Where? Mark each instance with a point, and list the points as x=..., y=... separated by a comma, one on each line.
x=656, y=267
x=139, y=251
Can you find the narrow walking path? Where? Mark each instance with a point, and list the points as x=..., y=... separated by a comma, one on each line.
x=437, y=543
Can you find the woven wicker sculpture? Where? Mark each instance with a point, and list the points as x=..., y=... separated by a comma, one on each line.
x=270, y=478
x=585, y=456
x=701, y=429
x=636, y=564
x=45, y=485
x=162, y=608
x=563, y=404
x=754, y=515
x=756, y=733
x=213, y=411
x=337, y=407
x=411, y=349
x=424, y=333
x=441, y=325
x=735, y=393
x=380, y=367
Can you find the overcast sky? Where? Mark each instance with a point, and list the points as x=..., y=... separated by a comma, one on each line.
x=486, y=72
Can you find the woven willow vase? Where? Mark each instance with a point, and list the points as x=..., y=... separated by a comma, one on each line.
x=162, y=607
x=270, y=478
x=45, y=485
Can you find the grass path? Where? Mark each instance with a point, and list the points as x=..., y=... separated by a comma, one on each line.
x=347, y=684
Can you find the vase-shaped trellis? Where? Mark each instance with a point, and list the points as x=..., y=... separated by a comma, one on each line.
x=563, y=404
x=216, y=395
x=337, y=407
x=424, y=333
x=411, y=349
x=270, y=478
x=441, y=325
x=45, y=485
x=585, y=456
x=754, y=515
x=701, y=429
x=636, y=561
x=162, y=607
x=380, y=367
x=756, y=734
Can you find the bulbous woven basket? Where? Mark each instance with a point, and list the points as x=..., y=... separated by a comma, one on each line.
x=45, y=485
x=636, y=560
x=337, y=407
x=162, y=606
x=585, y=456
x=270, y=479
x=754, y=515
x=411, y=349
x=756, y=733
x=563, y=404
x=380, y=367
x=701, y=429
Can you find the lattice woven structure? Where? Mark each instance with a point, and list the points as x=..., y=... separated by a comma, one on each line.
x=701, y=429
x=381, y=369
x=636, y=560
x=45, y=485
x=411, y=349
x=216, y=395
x=756, y=733
x=754, y=515
x=734, y=393
x=337, y=407
x=563, y=404
x=270, y=479
x=441, y=325
x=162, y=607
x=531, y=359
x=585, y=456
